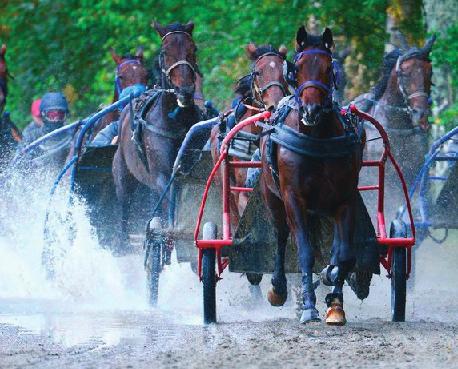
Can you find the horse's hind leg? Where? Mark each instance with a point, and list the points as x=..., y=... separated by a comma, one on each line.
x=344, y=260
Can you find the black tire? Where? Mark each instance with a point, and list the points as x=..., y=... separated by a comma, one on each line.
x=153, y=261
x=209, y=275
x=398, y=274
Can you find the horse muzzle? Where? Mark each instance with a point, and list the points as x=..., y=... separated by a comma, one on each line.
x=311, y=114
x=420, y=118
x=185, y=96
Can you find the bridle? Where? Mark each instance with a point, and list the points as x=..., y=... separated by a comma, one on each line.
x=405, y=96
x=260, y=91
x=118, y=86
x=325, y=88
x=166, y=81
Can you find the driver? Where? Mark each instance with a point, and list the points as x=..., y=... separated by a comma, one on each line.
x=53, y=112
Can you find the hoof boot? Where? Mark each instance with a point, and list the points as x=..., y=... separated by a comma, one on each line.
x=276, y=299
x=335, y=315
x=310, y=315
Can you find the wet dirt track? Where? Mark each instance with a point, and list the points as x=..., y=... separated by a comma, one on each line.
x=271, y=344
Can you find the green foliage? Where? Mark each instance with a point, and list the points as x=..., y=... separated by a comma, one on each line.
x=445, y=54
x=64, y=44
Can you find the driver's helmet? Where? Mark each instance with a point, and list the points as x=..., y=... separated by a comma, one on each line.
x=53, y=110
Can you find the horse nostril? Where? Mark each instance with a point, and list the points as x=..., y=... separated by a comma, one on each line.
x=271, y=108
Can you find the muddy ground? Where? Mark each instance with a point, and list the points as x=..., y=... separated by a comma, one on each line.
x=64, y=333
x=270, y=344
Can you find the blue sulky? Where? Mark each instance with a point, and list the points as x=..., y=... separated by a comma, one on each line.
x=423, y=180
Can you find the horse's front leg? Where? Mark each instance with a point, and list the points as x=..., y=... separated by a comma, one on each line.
x=278, y=293
x=298, y=224
x=342, y=263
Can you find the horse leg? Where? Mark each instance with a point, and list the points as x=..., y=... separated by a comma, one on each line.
x=342, y=263
x=125, y=185
x=298, y=225
x=278, y=292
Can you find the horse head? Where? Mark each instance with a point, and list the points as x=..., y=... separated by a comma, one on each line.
x=413, y=73
x=130, y=71
x=3, y=78
x=178, y=61
x=268, y=82
x=314, y=75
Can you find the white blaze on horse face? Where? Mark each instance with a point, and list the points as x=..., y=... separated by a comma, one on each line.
x=272, y=64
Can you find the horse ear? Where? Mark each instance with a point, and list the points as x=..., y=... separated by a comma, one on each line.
x=117, y=59
x=161, y=30
x=301, y=38
x=283, y=50
x=429, y=45
x=327, y=38
x=139, y=53
x=3, y=50
x=189, y=27
x=251, y=50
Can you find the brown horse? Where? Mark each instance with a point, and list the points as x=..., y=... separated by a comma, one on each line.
x=164, y=116
x=9, y=133
x=262, y=89
x=400, y=101
x=130, y=71
x=310, y=167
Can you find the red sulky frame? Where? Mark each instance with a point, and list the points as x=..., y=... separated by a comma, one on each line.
x=226, y=164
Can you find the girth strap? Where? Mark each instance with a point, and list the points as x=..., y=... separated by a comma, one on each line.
x=334, y=147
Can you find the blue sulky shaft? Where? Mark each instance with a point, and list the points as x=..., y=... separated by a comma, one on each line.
x=420, y=180
x=86, y=124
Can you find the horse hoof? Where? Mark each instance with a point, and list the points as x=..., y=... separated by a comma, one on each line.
x=276, y=299
x=310, y=315
x=335, y=315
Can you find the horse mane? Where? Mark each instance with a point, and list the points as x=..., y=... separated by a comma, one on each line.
x=243, y=86
x=176, y=27
x=264, y=49
x=389, y=61
x=130, y=56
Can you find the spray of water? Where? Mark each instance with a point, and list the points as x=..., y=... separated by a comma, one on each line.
x=90, y=280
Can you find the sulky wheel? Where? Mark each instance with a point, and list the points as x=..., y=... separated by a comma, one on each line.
x=153, y=263
x=208, y=275
x=398, y=274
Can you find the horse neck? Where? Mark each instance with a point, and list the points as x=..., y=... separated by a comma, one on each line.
x=251, y=128
x=329, y=126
